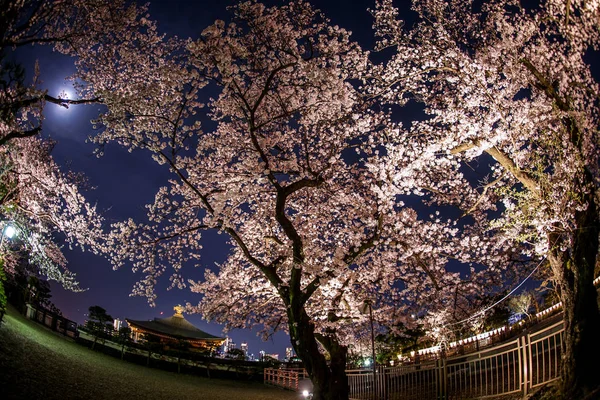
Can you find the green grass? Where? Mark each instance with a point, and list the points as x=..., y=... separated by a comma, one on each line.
x=36, y=363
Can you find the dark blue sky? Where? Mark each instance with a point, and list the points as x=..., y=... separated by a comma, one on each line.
x=125, y=182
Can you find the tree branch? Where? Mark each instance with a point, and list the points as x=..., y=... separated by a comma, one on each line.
x=527, y=180
x=20, y=135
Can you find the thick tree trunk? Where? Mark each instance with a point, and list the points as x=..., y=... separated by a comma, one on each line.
x=573, y=269
x=329, y=379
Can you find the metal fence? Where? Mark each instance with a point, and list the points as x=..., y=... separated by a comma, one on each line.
x=513, y=367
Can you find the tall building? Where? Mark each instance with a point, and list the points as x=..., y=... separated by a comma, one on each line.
x=228, y=344
x=117, y=324
x=244, y=348
x=289, y=353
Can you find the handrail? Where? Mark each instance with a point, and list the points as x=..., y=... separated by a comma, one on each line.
x=287, y=378
x=517, y=366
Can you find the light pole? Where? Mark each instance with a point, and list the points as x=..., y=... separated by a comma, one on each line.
x=367, y=303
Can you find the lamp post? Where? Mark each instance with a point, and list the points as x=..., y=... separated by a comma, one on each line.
x=8, y=231
x=367, y=304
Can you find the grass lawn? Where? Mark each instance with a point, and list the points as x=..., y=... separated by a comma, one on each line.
x=36, y=363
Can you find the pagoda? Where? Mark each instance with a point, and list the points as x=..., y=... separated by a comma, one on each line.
x=175, y=329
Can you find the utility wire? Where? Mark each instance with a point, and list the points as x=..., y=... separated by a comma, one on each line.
x=499, y=301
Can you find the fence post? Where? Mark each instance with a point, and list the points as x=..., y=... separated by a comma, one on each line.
x=374, y=384
x=382, y=382
x=442, y=378
x=524, y=361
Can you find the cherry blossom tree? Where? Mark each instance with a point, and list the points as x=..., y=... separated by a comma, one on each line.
x=509, y=88
x=291, y=173
x=38, y=200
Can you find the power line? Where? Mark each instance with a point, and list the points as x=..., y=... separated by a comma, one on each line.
x=499, y=301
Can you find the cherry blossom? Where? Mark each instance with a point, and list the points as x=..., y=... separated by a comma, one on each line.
x=38, y=201
x=293, y=171
x=509, y=92
x=42, y=203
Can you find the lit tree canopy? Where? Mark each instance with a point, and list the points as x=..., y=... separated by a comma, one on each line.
x=510, y=88
x=38, y=201
x=311, y=182
x=291, y=172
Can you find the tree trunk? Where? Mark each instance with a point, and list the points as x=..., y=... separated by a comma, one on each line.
x=574, y=271
x=329, y=380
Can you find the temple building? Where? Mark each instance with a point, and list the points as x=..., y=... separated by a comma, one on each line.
x=174, y=329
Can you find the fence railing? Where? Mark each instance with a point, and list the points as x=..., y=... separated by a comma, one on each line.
x=513, y=367
x=52, y=320
x=287, y=378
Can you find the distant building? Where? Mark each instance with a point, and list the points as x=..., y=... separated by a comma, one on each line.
x=289, y=353
x=117, y=324
x=228, y=345
x=244, y=348
x=174, y=329
x=273, y=356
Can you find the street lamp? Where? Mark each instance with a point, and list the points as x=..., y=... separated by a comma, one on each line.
x=10, y=231
x=367, y=305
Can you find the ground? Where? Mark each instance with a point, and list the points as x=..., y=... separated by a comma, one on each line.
x=36, y=363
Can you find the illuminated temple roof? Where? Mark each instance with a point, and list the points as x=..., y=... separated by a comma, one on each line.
x=175, y=326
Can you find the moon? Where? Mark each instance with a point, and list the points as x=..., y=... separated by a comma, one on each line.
x=66, y=93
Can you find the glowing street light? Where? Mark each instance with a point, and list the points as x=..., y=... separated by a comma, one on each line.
x=366, y=306
x=10, y=231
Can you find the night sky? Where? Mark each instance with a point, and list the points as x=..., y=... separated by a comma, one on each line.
x=123, y=183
